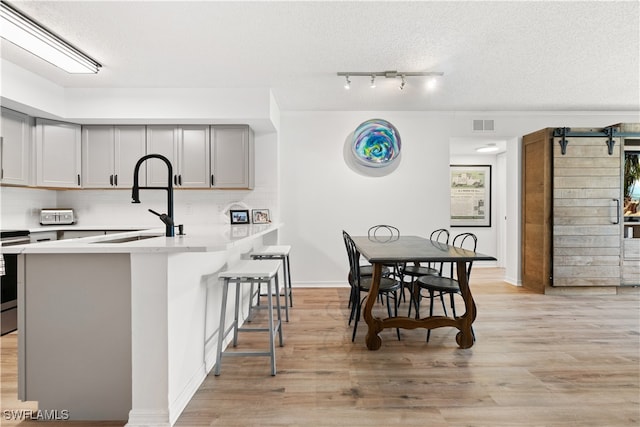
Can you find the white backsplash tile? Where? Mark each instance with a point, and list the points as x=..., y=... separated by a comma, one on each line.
x=21, y=206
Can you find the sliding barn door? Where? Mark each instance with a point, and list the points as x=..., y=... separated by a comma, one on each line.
x=586, y=212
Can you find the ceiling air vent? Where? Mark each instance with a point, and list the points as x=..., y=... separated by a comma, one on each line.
x=483, y=126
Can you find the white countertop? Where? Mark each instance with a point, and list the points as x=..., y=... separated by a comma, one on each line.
x=196, y=239
x=76, y=227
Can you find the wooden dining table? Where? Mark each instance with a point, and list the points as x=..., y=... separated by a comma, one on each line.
x=402, y=249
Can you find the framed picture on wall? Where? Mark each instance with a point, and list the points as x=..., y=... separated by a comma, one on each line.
x=261, y=216
x=470, y=190
x=239, y=216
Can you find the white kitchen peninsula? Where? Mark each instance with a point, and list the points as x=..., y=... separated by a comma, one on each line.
x=115, y=326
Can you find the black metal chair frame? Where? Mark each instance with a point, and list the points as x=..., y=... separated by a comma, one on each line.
x=388, y=287
x=442, y=284
x=387, y=233
x=417, y=270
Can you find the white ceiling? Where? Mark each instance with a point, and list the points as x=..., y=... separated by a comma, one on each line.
x=517, y=55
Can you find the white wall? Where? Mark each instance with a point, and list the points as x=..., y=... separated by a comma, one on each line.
x=320, y=195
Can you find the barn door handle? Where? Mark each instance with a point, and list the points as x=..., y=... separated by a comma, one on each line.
x=617, y=211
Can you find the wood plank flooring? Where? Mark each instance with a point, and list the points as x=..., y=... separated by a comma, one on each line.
x=539, y=360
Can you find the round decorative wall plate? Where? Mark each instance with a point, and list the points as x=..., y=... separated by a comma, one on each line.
x=376, y=143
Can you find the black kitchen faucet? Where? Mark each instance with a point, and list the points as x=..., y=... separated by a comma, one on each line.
x=135, y=192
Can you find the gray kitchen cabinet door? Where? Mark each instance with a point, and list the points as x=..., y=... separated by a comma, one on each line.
x=97, y=156
x=232, y=157
x=130, y=146
x=58, y=154
x=161, y=140
x=14, y=148
x=193, y=157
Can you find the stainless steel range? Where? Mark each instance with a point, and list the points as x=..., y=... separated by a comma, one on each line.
x=9, y=280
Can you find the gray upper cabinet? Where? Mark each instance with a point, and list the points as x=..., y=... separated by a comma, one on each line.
x=232, y=157
x=58, y=158
x=68, y=155
x=109, y=154
x=15, y=148
x=187, y=148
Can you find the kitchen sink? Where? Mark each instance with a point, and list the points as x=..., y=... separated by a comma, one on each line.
x=129, y=239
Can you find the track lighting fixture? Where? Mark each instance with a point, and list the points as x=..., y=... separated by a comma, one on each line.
x=347, y=83
x=32, y=37
x=391, y=75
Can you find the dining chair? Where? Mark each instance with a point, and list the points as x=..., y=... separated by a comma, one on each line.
x=366, y=270
x=388, y=287
x=416, y=270
x=442, y=284
x=388, y=233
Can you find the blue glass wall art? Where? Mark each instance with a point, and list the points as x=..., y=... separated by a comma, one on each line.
x=376, y=143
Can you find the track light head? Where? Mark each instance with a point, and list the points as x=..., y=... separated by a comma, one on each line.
x=401, y=87
x=347, y=83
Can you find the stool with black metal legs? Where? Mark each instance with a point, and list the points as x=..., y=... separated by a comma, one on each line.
x=278, y=252
x=250, y=271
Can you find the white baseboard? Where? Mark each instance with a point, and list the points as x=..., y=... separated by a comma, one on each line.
x=184, y=397
x=148, y=418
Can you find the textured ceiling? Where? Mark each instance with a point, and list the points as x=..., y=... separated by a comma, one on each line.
x=516, y=55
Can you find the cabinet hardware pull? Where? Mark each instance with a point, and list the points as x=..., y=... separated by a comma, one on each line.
x=111, y=179
x=180, y=179
x=617, y=211
x=213, y=181
x=115, y=179
x=78, y=179
x=175, y=180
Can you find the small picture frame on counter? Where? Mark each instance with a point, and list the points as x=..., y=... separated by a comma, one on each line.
x=239, y=216
x=261, y=216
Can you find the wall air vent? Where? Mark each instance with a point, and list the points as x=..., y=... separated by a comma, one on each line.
x=483, y=126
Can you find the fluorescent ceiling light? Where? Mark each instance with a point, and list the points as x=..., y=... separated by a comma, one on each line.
x=489, y=148
x=29, y=35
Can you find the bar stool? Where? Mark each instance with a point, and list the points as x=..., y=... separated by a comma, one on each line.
x=250, y=271
x=280, y=252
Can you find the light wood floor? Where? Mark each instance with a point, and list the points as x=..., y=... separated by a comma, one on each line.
x=539, y=360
